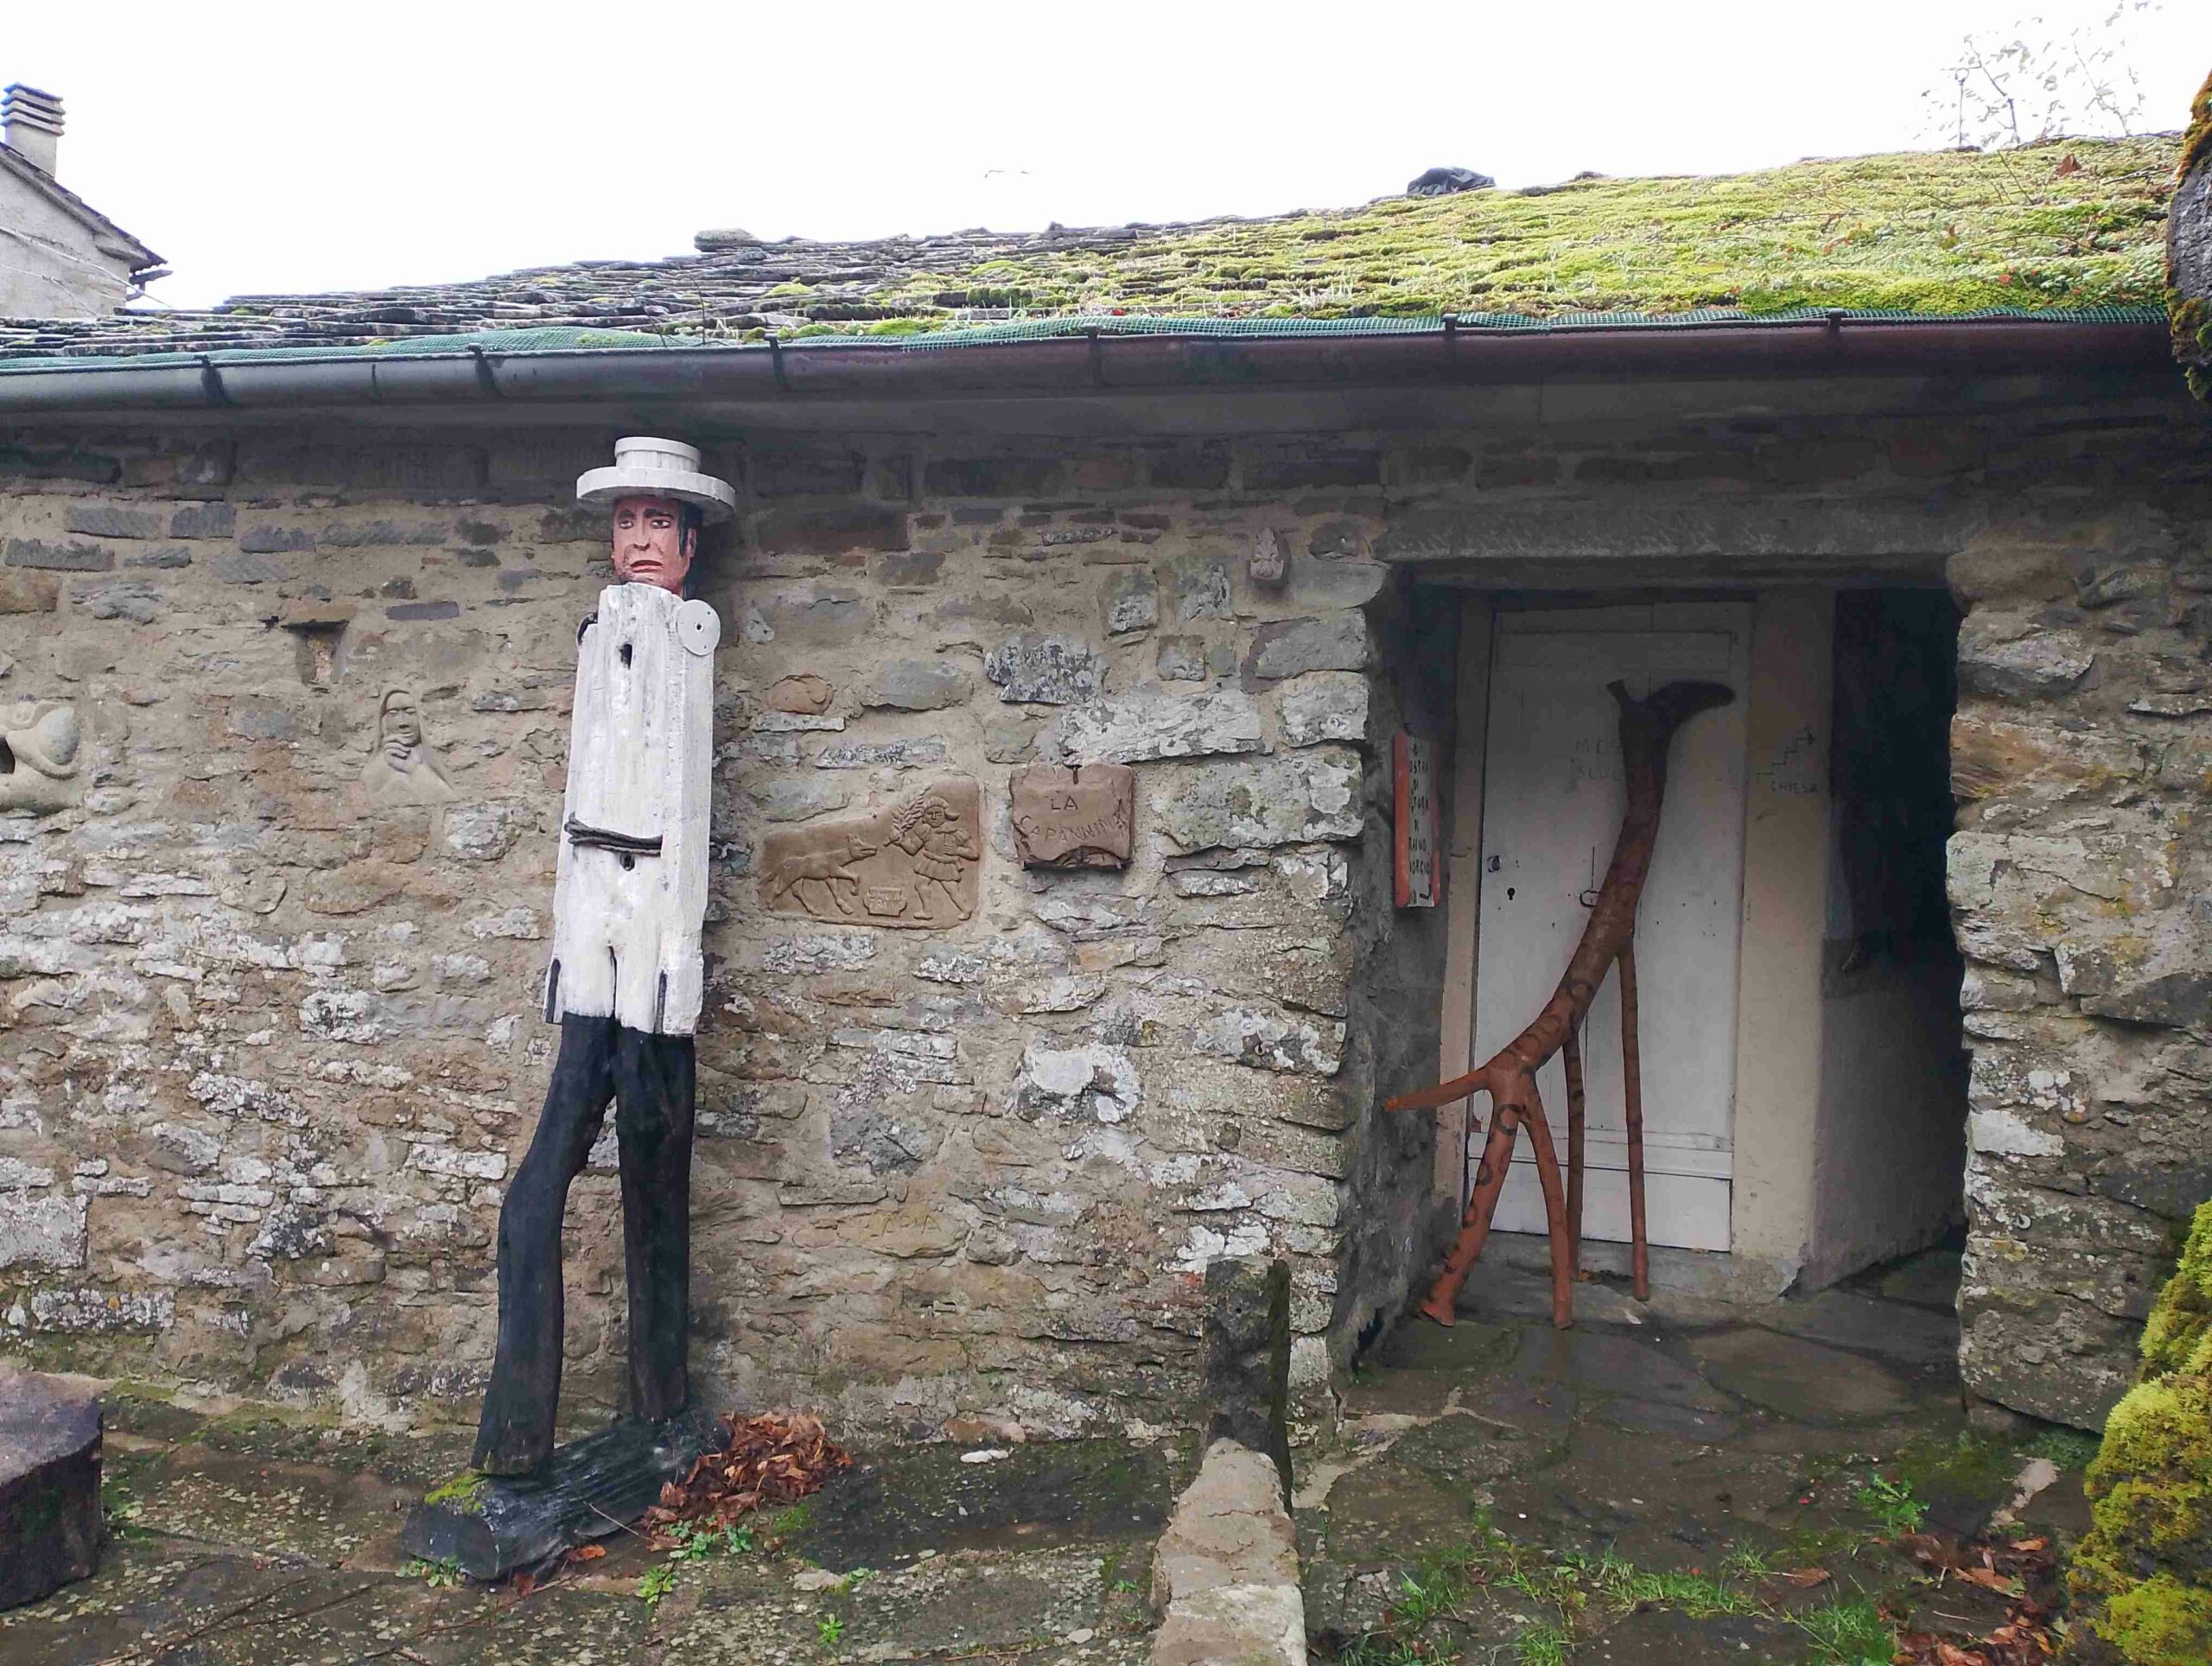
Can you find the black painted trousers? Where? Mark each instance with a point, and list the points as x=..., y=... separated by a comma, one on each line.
x=651, y=1079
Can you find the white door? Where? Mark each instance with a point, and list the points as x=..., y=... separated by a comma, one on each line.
x=1552, y=802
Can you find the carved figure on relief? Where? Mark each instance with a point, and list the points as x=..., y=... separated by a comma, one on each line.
x=39, y=760
x=914, y=864
x=404, y=770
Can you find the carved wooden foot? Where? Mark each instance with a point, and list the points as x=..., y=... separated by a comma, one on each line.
x=493, y=1524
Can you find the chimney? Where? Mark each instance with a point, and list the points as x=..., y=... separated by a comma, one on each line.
x=32, y=125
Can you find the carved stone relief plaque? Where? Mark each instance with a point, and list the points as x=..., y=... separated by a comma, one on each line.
x=402, y=769
x=1082, y=817
x=914, y=863
x=40, y=745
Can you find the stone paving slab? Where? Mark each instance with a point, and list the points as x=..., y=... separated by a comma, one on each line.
x=1804, y=1382
x=269, y=1506
x=1679, y=1445
x=247, y=1540
x=1621, y=1365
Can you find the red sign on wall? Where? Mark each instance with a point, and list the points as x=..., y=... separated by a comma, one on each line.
x=1419, y=827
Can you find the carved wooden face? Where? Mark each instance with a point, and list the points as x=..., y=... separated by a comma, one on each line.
x=651, y=543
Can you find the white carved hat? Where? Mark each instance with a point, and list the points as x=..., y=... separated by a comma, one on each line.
x=646, y=468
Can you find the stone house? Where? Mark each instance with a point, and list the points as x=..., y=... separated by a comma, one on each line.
x=268, y=1038
x=60, y=256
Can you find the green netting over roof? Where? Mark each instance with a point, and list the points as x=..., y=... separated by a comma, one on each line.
x=1703, y=318
x=503, y=343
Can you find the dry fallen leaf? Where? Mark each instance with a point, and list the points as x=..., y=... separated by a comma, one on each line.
x=2029, y=1545
x=770, y=1459
x=584, y=1553
x=2067, y=166
x=1806, y=1577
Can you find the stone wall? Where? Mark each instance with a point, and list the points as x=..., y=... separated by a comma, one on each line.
x=268, y=1038
x=269, y=1035
x=2082, y=879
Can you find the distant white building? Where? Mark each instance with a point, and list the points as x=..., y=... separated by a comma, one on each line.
x=60, y=256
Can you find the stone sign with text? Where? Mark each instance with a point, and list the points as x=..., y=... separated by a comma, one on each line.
x=1079, y=817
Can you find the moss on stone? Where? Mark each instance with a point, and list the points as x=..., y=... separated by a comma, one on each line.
x=2178, y=1338
x=2143, y=1577
x=462, y=1493
x=2196, y=142
x=2160, y=1622
x=2192, y=317
x=1939, y=233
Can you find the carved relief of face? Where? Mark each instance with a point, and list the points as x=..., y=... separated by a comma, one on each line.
x=651, y=543
x=402, y=727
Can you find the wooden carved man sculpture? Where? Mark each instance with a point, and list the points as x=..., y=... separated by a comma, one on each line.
x=624, y=983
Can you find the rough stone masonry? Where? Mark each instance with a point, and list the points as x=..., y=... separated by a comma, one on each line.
x=970, y=1132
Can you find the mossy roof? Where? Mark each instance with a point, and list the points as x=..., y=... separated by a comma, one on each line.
x=1941, y=234
x=2060, y=227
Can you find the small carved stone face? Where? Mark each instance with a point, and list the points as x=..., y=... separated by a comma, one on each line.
x=403, y=728
x=651, y=545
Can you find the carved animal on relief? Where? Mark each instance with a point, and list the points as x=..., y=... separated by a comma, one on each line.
x=827, y=868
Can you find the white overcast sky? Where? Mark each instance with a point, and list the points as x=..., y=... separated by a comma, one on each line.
x=299, y=146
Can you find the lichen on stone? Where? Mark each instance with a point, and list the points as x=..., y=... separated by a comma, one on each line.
x=2142, y=1579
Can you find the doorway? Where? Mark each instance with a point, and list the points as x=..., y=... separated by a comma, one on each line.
x=1553, y=779
x=1804, y=1079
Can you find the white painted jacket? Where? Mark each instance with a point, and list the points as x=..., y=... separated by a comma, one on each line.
x=631, y=891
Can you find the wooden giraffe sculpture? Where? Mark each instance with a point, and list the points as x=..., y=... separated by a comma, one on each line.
x=1648, y=728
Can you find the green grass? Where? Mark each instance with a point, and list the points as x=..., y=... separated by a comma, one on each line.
x=1540, y=1646
x=1577, y=1596
x=1849, y=1634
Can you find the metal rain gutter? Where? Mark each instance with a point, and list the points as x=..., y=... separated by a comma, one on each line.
x=1094, y=363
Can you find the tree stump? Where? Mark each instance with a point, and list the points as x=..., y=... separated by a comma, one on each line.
x=489, y=1525
x=49, y=1485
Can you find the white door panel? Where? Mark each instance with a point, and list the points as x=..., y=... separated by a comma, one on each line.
x=1553, y=799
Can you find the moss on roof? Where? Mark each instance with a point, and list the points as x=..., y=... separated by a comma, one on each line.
x=2062, y=228
x=2070, y=225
